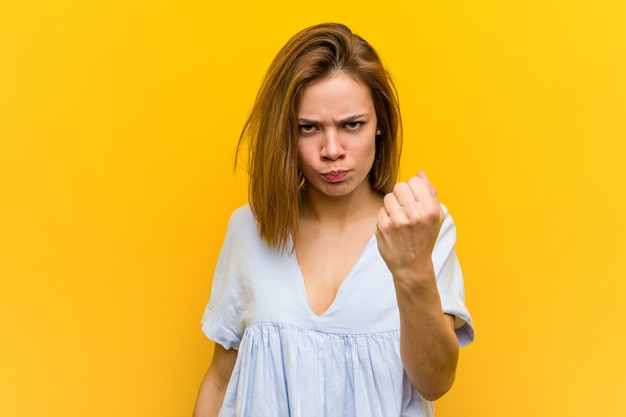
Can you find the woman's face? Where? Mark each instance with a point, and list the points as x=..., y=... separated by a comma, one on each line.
x=337, y=135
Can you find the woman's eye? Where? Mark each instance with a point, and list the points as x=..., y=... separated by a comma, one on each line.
x=353, y=125
x=306, y=128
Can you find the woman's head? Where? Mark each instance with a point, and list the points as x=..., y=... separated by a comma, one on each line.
x=271, y=131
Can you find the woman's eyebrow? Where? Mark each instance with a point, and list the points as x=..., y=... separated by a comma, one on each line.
x=348, y=119
x=355, y=117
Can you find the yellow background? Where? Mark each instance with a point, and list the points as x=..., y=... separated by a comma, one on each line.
x=118, y=121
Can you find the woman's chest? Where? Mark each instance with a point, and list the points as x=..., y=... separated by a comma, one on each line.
x=364, y=301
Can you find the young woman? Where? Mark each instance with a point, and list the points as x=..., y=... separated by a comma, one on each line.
x=337, y=291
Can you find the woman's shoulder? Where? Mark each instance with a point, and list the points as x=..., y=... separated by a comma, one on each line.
x=243, y=233
x=242, y=223
x=242, y=214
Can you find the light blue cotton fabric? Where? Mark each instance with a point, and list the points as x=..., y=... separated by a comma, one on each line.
x=292, y=362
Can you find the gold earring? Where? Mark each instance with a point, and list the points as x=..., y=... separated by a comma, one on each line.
x=301, y=180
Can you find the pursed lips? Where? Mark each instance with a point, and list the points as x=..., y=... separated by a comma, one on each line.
x=335, y=176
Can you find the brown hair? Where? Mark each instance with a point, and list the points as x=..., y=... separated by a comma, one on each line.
x=271, y=130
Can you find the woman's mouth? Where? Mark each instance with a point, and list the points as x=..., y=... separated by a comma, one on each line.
x=335, y=176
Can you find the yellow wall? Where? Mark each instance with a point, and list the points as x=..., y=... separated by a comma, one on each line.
x=118, y=121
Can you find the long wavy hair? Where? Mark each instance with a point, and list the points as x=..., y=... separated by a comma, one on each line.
x=271, y=131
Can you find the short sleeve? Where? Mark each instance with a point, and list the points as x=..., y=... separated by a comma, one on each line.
x=450, y=280
x=223, y=320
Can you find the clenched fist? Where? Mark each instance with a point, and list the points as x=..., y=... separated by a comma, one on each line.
x=408, y=226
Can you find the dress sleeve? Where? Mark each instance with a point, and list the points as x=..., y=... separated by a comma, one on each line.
x=223, y=320
x=450, y=280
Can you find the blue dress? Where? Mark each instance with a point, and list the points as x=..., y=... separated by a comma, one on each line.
x=291, y=362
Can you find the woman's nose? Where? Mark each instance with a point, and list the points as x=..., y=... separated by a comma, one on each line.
x=332, y=148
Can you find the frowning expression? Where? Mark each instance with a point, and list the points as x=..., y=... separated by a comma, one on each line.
x=337, y=135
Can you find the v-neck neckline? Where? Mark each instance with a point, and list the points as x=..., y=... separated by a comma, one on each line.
x=340, y=290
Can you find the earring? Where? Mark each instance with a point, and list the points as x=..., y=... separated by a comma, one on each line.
x=301, y=180
x=378, y=133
